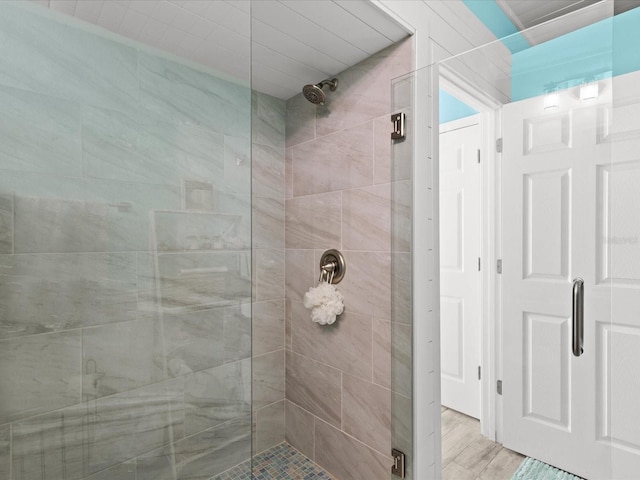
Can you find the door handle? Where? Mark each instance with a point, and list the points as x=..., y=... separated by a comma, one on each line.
x=578, y=316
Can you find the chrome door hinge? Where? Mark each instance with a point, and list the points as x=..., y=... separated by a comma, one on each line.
x=398, y=467
x=398, y=120
x=499, y=387
x=479, y=372
x=478, y=263
x=499, y=145
x=478, y=155
x=499, y=266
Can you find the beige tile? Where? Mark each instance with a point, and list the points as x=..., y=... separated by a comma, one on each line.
x=267, y=227
x=449, y=419
x=366, y=218
x=300, y=428
x=6, y=224
x=382, y=127
x=301, y=273
x=347, y=458
x=401, y=281
x=5, y=451
x=337, y=162
x=367, y=272
x=267, y=326
x=503, y=466
x=315, y=387
x=301, y=120
x=314, y=221
x=366, y=412
x=269, y=426
x=269, y=279
x=364, y=89
x=453, y=471
x=268, y=379
x=345, y=345
x=381, y=355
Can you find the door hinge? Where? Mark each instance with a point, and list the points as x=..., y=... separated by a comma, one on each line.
x=499, y=145
x=479, y=372
x=499, y=266
x=398, y=467
x=478, y=263
x=398, y=120
x=478, y=155
x=499, y=387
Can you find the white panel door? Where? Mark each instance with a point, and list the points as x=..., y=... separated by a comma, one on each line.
x=553, y=202
x=459, y=271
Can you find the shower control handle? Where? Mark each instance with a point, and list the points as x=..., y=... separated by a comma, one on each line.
x=578, y=316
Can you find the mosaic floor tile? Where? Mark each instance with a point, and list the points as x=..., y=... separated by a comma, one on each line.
x=282, y=462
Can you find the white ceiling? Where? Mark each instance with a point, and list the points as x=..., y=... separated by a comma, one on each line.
x=293, y=42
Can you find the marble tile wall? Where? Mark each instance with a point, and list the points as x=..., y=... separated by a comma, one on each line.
x=341, y=193
x=125, y=261
x=268, y=235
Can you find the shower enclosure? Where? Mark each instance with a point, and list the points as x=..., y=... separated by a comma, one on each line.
x=125, y=256
x=558, y=108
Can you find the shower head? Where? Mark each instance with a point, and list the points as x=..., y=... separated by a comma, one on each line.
x=315, y=94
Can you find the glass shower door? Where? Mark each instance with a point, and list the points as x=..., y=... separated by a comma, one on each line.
x=125, y=267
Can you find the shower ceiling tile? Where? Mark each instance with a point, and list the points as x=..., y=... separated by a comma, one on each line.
x=294, y=42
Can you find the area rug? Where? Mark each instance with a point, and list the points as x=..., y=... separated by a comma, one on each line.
x=532, y=469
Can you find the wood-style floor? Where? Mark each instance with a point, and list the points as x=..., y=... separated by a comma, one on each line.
x=467, y=455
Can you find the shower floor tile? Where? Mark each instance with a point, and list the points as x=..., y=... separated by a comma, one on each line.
x=282, y=462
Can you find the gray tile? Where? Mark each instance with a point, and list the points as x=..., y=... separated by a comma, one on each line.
x=5, y=451
x=200, y=456
x=192, y=341
x=237, y=332
x=217, y=395
x=401, y=348
x=268, y=120
x=237, y=165
x=345, y=345
x=503, y=466
x=39, y=133
x=44, y=55
x=203, y=280
x=39, y=373
x=51, y=443
x=269, y=426
x=313, y=221
x=267, y=169
x=43, y=293
x=267, y=326
x=300, y=428
x=301, y=120
x=366, y=218
x=301, y=273
x=337, y=162
x=401, y=280
x=367, y=272
x=126, y=425
x=346, y=458
x=187, y=96
x=268, y=379
x=121, y=147
x=381, y=346
x=315, y=387
x=124, y=471
x=366, y=411
x=270, y=270
x=180, y=231
x=402, y=425
x=6, y=224
x=121, y=356
x=267, y=229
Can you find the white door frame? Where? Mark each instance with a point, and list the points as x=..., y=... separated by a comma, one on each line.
x=491, y=320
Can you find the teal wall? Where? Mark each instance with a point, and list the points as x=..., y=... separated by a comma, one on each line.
x=453, y=109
